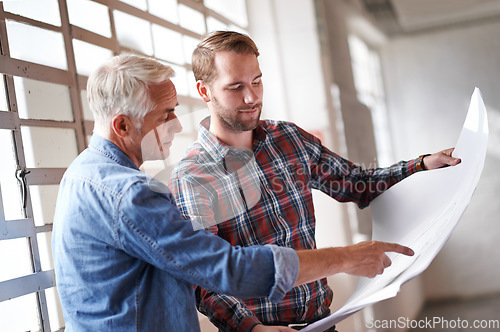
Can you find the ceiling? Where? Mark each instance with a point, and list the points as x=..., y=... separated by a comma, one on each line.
x=411, y=16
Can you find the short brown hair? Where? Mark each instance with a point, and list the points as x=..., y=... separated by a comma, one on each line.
x=204, y=54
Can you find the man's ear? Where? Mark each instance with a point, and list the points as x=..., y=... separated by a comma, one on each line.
x=203, y=91
x=121, y=125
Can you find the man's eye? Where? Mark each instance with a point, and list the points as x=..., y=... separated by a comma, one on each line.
x=169, y=117
x=235, y=88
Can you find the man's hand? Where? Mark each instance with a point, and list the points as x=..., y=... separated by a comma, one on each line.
x=441, y=159
x=264, y=328
x=368, y=259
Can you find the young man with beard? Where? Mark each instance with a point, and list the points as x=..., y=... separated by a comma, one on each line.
x=249, y=181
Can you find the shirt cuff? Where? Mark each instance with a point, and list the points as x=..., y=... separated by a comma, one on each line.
x=247, y=324
x=286, y=271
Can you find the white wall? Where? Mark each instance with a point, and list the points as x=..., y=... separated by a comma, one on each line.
x=429, y=80
x=285, y=33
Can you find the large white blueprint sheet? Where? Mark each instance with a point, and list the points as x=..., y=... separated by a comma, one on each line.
x=421, y=213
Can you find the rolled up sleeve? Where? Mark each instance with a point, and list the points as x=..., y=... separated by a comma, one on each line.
x=286, y=265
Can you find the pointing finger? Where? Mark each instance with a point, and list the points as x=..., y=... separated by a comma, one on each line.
x=394, y=247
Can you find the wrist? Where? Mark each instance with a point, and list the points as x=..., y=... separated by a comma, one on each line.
x=419, y=164
x=256, y=327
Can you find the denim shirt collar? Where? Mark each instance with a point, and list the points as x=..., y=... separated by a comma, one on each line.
x=110, y=150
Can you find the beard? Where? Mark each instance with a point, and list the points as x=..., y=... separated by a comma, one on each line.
x=233, y=119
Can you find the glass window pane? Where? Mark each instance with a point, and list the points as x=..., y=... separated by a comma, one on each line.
x=190, y=44
x=49, y=147
x=49, y=45
x=168, y=44
x=88, y=56
x=20, y=314
x=191, y=19
x=133, y=32
x=235, y=10
x=236, y=28
x=11, y=194
x=87, y=113
x=180, y=80
x=14, y=259
x=55, y=310
x=214, y=24
x=45, y=250
x=141, y=4
x=3, y=95
x=46, y=11
x=90, y=15
x=43, y=199
x=42, y=100
x=166, y=9
x=192, y=85
x=183, y=113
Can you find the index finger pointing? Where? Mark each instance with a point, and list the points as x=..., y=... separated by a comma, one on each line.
x=394, y=247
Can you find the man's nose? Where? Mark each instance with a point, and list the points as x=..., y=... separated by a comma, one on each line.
x=251, y=96
x=174, y=126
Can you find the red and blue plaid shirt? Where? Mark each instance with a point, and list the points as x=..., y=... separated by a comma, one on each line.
x=264, y=197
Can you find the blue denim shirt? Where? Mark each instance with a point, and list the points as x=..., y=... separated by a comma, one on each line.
x=125, y=259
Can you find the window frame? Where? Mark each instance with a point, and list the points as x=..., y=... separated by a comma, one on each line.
x=41, y=280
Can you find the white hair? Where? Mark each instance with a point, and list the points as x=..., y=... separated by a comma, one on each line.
x=121, y=86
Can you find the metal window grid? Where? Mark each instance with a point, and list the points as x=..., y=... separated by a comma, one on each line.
x=40, y=280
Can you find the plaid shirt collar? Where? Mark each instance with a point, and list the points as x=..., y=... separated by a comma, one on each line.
x=217, y=149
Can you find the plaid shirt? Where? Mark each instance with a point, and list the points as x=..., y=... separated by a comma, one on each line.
x=264, y=197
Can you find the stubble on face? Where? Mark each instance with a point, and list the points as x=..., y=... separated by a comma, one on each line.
x=237, y=120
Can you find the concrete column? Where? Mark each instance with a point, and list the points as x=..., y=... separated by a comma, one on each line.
x=356, y=117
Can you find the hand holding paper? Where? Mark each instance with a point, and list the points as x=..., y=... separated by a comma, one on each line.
x=441, y=159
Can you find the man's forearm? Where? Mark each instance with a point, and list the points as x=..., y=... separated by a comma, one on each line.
x=319, y=263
